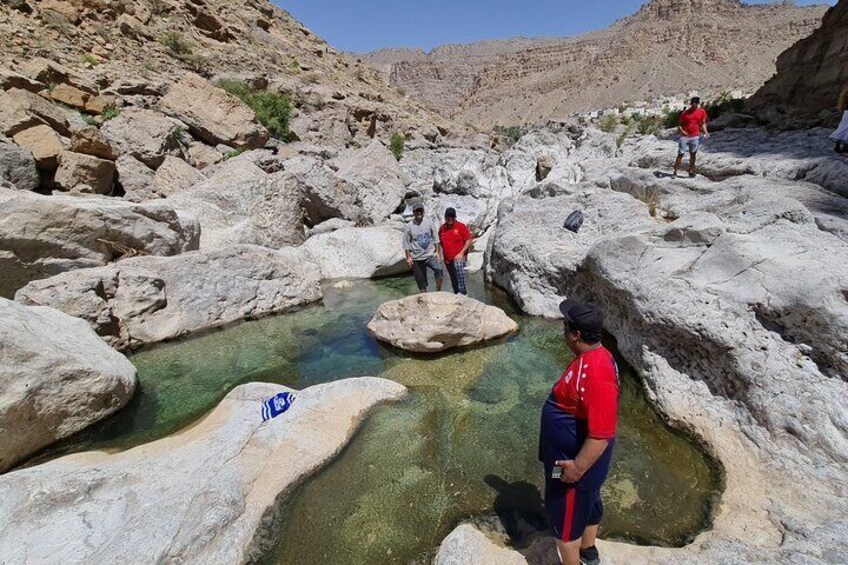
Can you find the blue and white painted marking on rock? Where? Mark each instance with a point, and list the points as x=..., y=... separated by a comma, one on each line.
x=276, y=405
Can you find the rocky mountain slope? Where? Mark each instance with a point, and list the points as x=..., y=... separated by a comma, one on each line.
x=443, y=76
x=668, y=47
x=140, y=47
x=812, y=73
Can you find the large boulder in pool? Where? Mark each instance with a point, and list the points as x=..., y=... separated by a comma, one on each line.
x=148, y=299
x=211, y=493
x=432, y=322
x=41, y=236
x=56, y=378
x=357, y=253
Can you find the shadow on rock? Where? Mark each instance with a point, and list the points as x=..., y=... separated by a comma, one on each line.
x=520, y=509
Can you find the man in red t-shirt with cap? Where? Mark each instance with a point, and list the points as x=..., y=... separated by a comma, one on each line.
x=693, y=121
x=577, y=436
x=456, y=241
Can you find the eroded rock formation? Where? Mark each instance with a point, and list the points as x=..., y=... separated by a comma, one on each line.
x=811, y=73
x=206, y=494
x=433, y=322
x=144, y=300
x=56, y=378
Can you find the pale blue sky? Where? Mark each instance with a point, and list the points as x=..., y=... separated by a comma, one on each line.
x=364, y=25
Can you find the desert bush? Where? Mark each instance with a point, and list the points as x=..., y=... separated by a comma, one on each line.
x=272, y=109
x=176, y=43
x=671, y=118
x=396, y=145
x=234, y=153
x=651, y=198
x=607, y=123
x=724, y=104
x=110, y=113
x=648, y=124
x=511, y=133
x=237, y=88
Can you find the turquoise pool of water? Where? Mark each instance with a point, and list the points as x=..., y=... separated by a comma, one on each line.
x=463, y=445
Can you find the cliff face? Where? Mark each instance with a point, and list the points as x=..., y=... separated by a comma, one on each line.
x=668, y=47
x=812, y=73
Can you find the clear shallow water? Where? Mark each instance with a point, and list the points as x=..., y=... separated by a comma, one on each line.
x=463, y=445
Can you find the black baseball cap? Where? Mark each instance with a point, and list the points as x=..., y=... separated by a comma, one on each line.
x=450, y=213
x=583, y=316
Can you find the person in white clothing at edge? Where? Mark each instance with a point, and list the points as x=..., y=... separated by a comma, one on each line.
x=840, y=136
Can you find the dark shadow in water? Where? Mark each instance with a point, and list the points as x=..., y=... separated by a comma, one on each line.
x=520, y=508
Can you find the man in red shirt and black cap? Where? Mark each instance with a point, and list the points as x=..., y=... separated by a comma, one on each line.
x=577, y=435
x=693, y=121
x=456, y=241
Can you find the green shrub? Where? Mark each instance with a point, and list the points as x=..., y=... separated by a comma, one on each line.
x=671, y=118
x=396, y=145
x=723, y=105
x=272, y=109
x=176, y=43
x=234, y=153
x=511, y=133
x=90, y=60
x=110, y=113
x=648, y=124
x=235, y=87
x=607, y=123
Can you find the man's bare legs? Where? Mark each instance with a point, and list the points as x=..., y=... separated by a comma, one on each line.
x=677, y=163
x=439, y=284
x=569, y=551
x=589, y=536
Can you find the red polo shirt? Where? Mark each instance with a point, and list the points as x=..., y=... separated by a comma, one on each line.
x=453, y=239
x=588, y=390
x=692, y=120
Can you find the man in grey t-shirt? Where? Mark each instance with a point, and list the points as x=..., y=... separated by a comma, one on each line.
x=421, y=243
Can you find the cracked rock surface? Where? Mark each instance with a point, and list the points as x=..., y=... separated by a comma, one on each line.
x=144, y=300
x=204, y=495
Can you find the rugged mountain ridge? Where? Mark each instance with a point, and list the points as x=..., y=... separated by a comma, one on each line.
x=150, y=44
x=668, y=47
x=446, y=73
x=812, y=73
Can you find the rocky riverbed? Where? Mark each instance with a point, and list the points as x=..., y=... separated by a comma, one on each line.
x=726, y=292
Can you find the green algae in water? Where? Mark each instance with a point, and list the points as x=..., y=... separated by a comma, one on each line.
x=463, y=445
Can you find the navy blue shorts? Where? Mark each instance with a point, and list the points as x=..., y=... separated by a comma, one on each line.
x=571, y=510
x=570, y=507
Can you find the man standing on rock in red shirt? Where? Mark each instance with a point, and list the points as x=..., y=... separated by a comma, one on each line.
x=456, y=241
x=693, y=121
x=577, y=436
